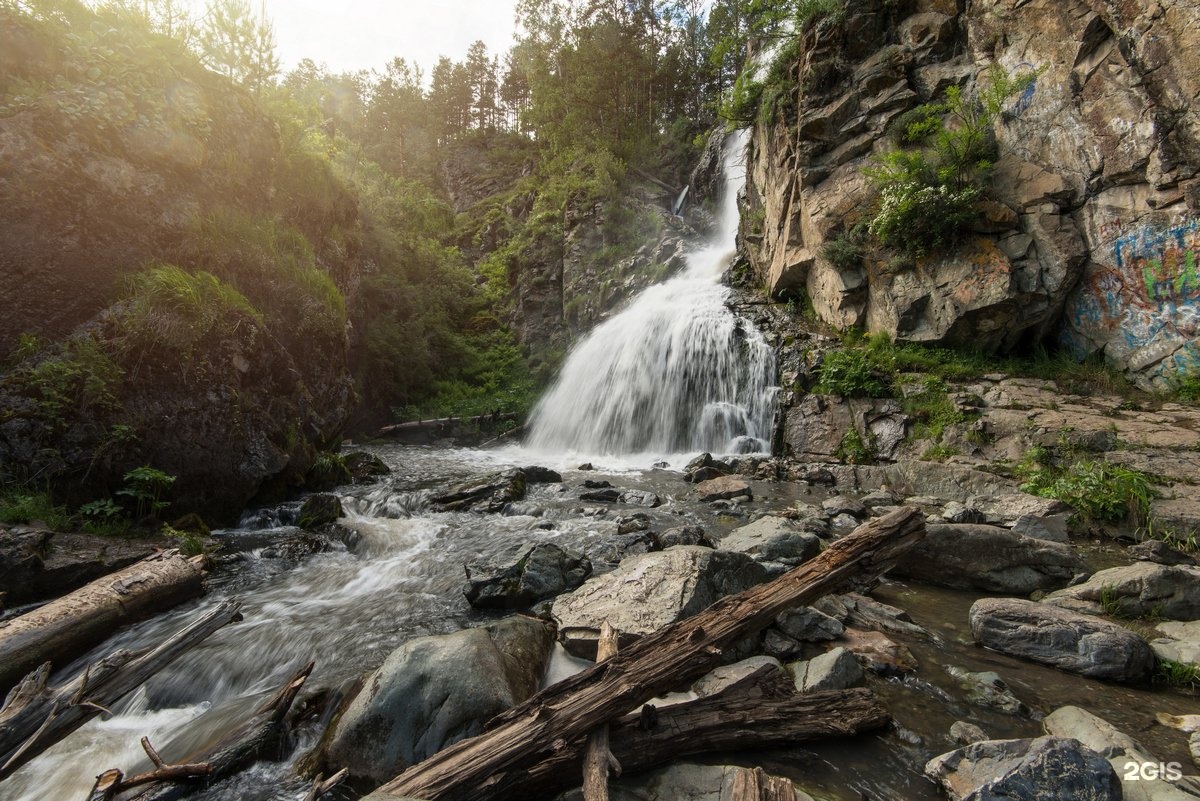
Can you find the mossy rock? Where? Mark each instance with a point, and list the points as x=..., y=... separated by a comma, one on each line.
x=365, y=467
x=319, y=510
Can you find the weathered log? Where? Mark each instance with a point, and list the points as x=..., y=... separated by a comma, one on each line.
x=111, y=783
x=63, y=629
x=597, y=758
x=259, y=737
x=321, y=786
x=35, y=717
x=757, y=785
x=482, y=767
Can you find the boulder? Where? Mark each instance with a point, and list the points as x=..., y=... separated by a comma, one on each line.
x=434, y=691
x=365, y=467
x=965, y=733
x=1137, y=590
x=319, y=510
x=844, y=505
x=1180, y=642
x=723, y=488
x=1160, y=553
x=682, y=535
x=1121, y=751
x=718, y=679
x=1061, y=638
x=989, y=558
x=987, y=689
x=1041, y=769
x=835, y=670
x=878, y=653
x=772, y=540
x=809, y=625
x=649, y=591
x=536, y=573
x=607, y=495
x=489, y=493
x=541, y=475
x=641, y=498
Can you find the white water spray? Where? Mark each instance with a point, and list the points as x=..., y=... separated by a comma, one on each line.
x=676, y=371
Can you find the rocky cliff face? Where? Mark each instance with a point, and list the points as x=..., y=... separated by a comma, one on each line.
x=1091, y=230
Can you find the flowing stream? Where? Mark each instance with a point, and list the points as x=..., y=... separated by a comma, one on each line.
x=674, y=373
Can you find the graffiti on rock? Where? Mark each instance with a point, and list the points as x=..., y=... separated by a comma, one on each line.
x=1142, y=306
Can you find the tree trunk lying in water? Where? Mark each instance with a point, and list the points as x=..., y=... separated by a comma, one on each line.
x=260, y=736
x=598, y=759
x=63, y=629
x=760, y=711
x=35, y=717
x=491, y=764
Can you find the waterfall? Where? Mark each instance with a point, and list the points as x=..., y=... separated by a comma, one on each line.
x=674, y=372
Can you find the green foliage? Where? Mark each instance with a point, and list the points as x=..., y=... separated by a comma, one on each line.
x=810, y=10
x=239, y=44
x=1188, y=389
x=845, y=251
x=1182, y=675
x=1098, y=491
x=852, y=449
x=852, y=373
x=929, y=184
x=18, y=505
x=939, y=452
x=328, y=470
x=933, y=409
x=72, y=380
x=190, y=542
x=145, y=486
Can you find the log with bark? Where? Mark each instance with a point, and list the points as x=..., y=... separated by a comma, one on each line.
x=35, y=717
x=260, y=736
x=762, y=710
x=63, y=629
x=598, y=759
x=757, y=785
x=492, y=764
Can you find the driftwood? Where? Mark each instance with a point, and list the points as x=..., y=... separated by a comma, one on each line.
x=321, y=786
x=493, y=763
x=756, y=785
x=442, y=422
x=259, y=737
x=112, y=783
x=762, y=710
x=63, y=629
x=35, y=717
x=597, y=758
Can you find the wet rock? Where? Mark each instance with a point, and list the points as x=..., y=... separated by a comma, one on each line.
x=873, y=500
x=295, y=545
x=1137, y=590
x=863, y=612
x=640, y=498
x=596, y=483
x=36, y=564
x=683, y=535
x=772, y=540
x=1179, y=642
x=987, y=689
x=541, y=475
x=434, y=691
x=780, y=646
x=537, y=572
x=1061, y=638
x=1121, y=751
x=1041, y=518
x=601, y=495
x=809, y=625
x=633, y=523
x=585, y=467
x=648, y=591
x=365, y=468
x=989, y=558
x=878, y=653
x=844, y=505
x=718, y=679
x=319, y=510
x=723, y=488
x=842, y=524
x=703, y=474
x=835, y=670
x=1160, y=553
x=1041, y=769
x=522, y=509
x=489, y=493
x=965, y=733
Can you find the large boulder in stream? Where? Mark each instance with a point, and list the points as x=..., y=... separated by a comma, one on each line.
x=1061, y=638
x=989, y=558
x=536, y=572
x=1137, y=590
x=649, y=591
x=490, y=493
x=434, y=691
x=1041, y=769
x=774, y=541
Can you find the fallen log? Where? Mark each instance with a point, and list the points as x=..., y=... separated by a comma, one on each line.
x=488, y=765
x=762, y=710
x=35, y=717
x=261, y=736
x=597, y=757
x=63, y=629
x=111, y=783
x=757, y=785
x=322, y=786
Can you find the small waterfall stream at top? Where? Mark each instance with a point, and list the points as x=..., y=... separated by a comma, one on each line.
x=674, y=372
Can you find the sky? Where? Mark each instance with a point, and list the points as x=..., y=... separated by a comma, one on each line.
x=350, y=35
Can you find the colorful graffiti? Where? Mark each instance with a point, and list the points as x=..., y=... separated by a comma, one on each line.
x=1143, y=308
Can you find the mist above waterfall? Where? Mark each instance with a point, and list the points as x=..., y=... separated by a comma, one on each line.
x=674, y=372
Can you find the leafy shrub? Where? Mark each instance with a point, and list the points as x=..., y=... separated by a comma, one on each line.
x=845, y=251
x=852, y=449
x=145, y=487
x=852, y=373
x=1097, y=490
x=933, y=409
x=919, y=219
x=20, y=506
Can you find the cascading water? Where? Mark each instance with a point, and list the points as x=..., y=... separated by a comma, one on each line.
x=676, y=371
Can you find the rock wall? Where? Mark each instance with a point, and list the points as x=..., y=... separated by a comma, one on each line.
x=1089, y=233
